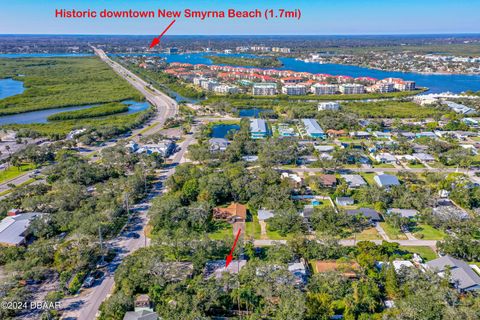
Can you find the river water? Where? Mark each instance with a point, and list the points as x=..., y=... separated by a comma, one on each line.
x=42, y=115
x=435, y=82
x=10, y=87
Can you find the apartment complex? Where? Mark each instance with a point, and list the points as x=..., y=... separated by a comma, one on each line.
x=352, y=88
x=294, y=90
x=322, y=89
x=264, y=89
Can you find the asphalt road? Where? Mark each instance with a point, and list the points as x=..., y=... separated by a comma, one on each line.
x=85, y=305
x=166, y=106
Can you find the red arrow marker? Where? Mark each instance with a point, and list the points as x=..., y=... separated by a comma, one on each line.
x=156, y=40
x=230, y=257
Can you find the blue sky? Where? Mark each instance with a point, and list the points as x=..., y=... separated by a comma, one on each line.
x=318, y=17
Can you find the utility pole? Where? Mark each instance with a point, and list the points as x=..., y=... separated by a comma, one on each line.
x=101, y=243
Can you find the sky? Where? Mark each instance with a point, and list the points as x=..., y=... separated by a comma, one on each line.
x=319, y=17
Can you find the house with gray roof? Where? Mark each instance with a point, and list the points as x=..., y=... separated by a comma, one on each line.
x=141, y=315
x=425, y=157
x=354, y=180
x=404, y=213
x=258, y=129
x=386, y=180
x=216, y=268
x=218, y=144
x=344, y=201
x=313, y=129
x=461, y=274
x=265, y=214
x=446, y=210
x=368, y=213
x=13, y=229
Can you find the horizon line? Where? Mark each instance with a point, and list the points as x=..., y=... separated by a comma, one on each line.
x=242, y=35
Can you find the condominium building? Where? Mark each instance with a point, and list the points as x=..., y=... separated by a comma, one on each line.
x=321, y=89
x=384, y=87
x=352, y=88
x=225, y=88
x=209, y=85
x=264, y=89
x=198, y=81
x=294, y=90
x=405, y=85
x=322, y=106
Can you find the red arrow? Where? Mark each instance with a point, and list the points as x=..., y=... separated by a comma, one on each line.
x=230, y=257
x=156, y=40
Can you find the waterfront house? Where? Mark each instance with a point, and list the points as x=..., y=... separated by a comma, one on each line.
x=258, y=129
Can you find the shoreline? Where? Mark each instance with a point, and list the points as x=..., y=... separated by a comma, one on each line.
x=393, y=70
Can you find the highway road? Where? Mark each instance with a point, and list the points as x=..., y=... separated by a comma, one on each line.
x=85, y=305
x=166, y=106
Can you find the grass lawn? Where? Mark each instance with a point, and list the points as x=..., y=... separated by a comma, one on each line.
x=13, y=172
x=253, y=229
x=368, y=234
x=393, y=233
x=416, y=166
x=428, y=232
x=426, y=253
x=436, y=164
x=274, y=235
x=222, y=230
x=384, y=165
x=369, y=177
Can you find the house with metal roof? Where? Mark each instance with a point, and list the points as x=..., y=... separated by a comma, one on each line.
x=313, y=129
x=386, y=180
x=258, y=129
x=461, y=274
x=13, y=229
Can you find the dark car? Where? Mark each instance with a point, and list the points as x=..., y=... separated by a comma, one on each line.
x=133, y=235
